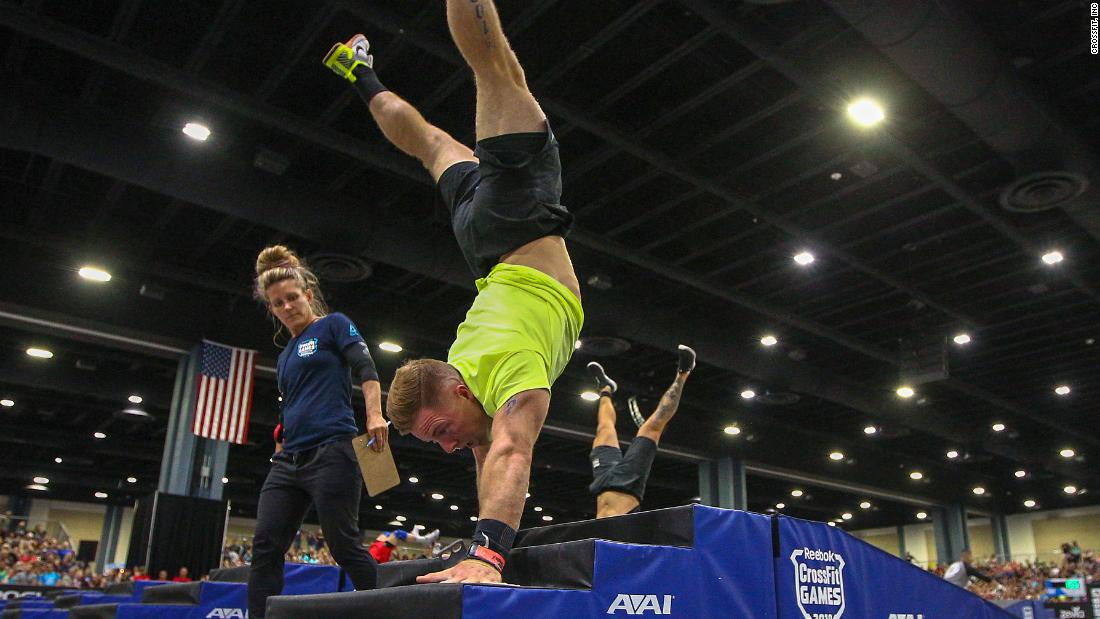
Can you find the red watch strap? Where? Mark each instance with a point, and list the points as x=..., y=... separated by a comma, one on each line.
x=491, y=557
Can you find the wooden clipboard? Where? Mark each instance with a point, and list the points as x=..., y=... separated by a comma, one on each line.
x=378, y=468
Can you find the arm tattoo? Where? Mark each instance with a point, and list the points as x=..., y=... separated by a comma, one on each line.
x=510, y=405
x=479, y=13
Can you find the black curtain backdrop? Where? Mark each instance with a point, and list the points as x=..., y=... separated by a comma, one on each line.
x=177, y=531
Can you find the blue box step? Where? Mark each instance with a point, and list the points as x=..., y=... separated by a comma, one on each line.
x=673, y=526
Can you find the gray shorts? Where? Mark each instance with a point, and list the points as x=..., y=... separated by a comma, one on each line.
x=611, y=470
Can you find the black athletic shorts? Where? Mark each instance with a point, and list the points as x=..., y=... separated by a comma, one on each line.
x=508, y=199
x=611, y=470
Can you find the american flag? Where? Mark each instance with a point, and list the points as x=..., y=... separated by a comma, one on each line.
x=224, y=400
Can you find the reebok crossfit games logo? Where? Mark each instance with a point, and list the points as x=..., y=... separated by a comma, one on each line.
x=819, y=583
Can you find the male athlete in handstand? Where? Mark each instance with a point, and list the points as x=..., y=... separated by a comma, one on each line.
x=493, y=393
x=619, y=481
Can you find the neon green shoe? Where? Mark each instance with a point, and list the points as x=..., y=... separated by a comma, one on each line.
x=344, y=57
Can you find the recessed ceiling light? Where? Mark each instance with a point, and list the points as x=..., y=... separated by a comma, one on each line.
x=58, y=460
x=548, y=518
x=36, y=487
x=527, y=495
x=780, y=505
x=769, y=340
x=414, y=480
x=869, y=430
x=804, y=258
x=378, y=507
x=131, y=480
x=41, y=480
x=952, y=454
x=390, y=347
x=225, y=480
x=454, y=508
x=437, y=496
x=916, y=475
x=473, y=518
x=748, y=394
x=1070, y=489
x=40, y=353
x=591, y=396
x=1062, y=390
x=1053, y=257
x=1067, y=453
x=577, y=345
x=99, y=435
x=1020, y=474
x=135, y=399
x=196, y=131
x=921, y=515
x=538, y=509
x=395, y=523
x=978, y=490
x=846, y=516
x=865, y=505
x=732, y=430
x=836, y=176
x=905, y=391
x=962, y=339
x=998, y=427
x=400, y=518
x=94, y=274
x=796, y=493
x=1030, y=503
x=866, y=112
x=101, y=495
x=6, y=403
x=836, y=455
x=831, y=524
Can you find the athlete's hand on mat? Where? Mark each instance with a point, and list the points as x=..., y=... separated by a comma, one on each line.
x=378, y=430
x=468, y=571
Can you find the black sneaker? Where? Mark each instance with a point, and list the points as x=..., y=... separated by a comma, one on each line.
x=687, y=359
x=635, y=412
x=602, y=381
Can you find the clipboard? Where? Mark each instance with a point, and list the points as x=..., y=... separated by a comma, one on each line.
x=378, y=469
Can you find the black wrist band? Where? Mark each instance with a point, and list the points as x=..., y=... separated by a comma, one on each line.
x=494, y=535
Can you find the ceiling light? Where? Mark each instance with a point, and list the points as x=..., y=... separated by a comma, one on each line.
x=732, y=430
x=796, y=493
x=978, y=490
x=836, y=176
x=36, y=487
x=905, y=391
x=101, y=495
x=6, y=403
x=473, y=518
x=1067, y=453
x=40, y=353
x=454, y=508
x=395, y=523
x=780, y=505
x=196, y=131
x=869, y=430
x=866, y=112
x=527, y=495
x=1070, y=489
x=921, y=515
x=1053, y=257
x=378, y=507
x=414, y=480
x=1062, y=390
x=962, y=339
x=548, y=518
x=748, y=394
x=804, y=258
x=94, y=274
x=58, y=460
x=390, y=347
x=836, y=455
x=131, y=480
x=865, y=505
x=577, y=345
x=951, y=455
x=1030, y=503
x=437, y=496
x=769, y=340
x=998, y=427
x=400, y=518
x=591, y=396
x=831, y=524
x=916, y=475
x=1020, y=474
x=538, y=509
x=99, y=435
x=225, y=480
x=41, y=480
x=135, y=399
x=846, y=516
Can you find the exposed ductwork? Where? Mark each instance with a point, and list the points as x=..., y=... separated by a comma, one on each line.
x=949, y=56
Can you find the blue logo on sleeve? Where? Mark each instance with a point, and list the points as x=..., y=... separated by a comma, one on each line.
x=352, y=331
x=308, y=347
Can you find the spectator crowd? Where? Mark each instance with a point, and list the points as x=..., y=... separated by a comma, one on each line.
x=1024, y=580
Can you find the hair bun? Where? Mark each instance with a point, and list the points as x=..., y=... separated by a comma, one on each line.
x=276, y=256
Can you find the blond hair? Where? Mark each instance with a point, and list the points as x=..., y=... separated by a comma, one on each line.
x=277, y=263
x=416, y=384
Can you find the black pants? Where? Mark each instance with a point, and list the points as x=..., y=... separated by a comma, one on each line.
x=327, y=477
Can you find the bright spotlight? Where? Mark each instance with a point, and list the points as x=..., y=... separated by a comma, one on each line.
x=1053, y=257
x=6, y=403
x=1067, y=453
x=804, y=258
x=437, y=496
x=962, y=339
x=196, y=131
x=390, y=347
x=748, y=394
x=869, y=430
x=40, y=353
x=865, y=505
x=780, y=505
x=131, y=480
x=998, y=427
x=1062, y=390
x=921, y=515
x=836, y=456
x=101, y=495
x=846, y=516
x=1070, y=489
x=1030, y=503
x=99, y=435
x=769, y=340
x=916, y=475
x=548, y=518
x=590, y=396
x=732, y=430
x=951, y=455
x=538, y=509
x=1020, y=474
x=41, y=480
x=796, y=493
x=978, y=490
x=94, y=274
x=905, y=391
x=866, y=112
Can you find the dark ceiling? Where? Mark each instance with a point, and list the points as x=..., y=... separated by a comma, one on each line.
x=704, y=144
